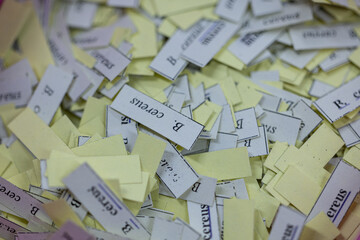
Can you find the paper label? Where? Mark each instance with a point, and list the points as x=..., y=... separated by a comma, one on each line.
x=226, y=120
x=319, y=89
x=50, y=92
x=81, y=14
x=309, y=119
x=249, y=46
x=341, y=101
x=232, y=10
x=33, y=235
x=223, y=141
x=188, y=232
x=338, y=194
x=165, y=229
x=256, y=146
x=246, y=122
x=264, y=7
x=204, y=219
x=270, y=102
x=75, y=204
x=103, y=204
x=175, y=172
x=297, y=59
x=20, y=202
x=281, y=127
x=20, y=69
x=288, y=224
x=349, y=136
x=95, y=38
x=319, y=37
x=235, y=188
x=110, y=62
x=158, y=117
x=291, y=14
x=175, y=101
x=216, y=95
x=70, y=231
x=207, y=44
x=168, y=62
x=336, y=59
x=101, y=235
x=123, y=3
x=15, y=90
x=8, y=229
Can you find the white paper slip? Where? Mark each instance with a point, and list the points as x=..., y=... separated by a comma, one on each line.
x=349, y=137
x=148, y=203
x=355, y=126
x=182, y=85
x=320, y=37
x=226, y=120
x=9, y=229
x=154, y=212
x=116, y=124
x=213, y=132
x=201, y=145
x=232, y=10
x=186, y=111
x=188, y=232
x=209, y=42
x=204, y=219
x=103, y=204
x=32, y=235
x=281, y=127
x=284, y=38
x=146, y=221
x=168, y=62
x=110, y=62
x=291, y=14
x=50, y=92
x=297, y=59
x=272, y=76
x=338, y=194
x=264, y=7
x=270, y=102
x=319, y=88
x=288, y=224
x=259, y=111
x=256, y=146
x=235, y=188
x=102, y=235
x=202, y=191
x=223, y=141
x=82, y=140
x=341, y=101
x=197, y=96
x=156, y=116
x=20, y=202
x=336, y=59
x=94, y=38
x=19, y=70
x=81, y=14
x=123, y=3
x=165, y=229
x=75, y=204
x=309, y=119
x=95, y=79
x=175, y=101
x=246, y=122
x=3, y=132
x=175, y=172
x=249, y=46
x=15, y=90
x=264, y=55
x=110, y=93
x=216, y=95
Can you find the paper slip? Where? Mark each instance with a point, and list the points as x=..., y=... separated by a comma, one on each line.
x=297, y=59
x=201, y=145
x=309, y=119
x=75, y=204
x=320, y=37
x=223, y=141
x=123, y=3
x=101, y=235
x=248, y=47
x=281, y=127
x=226, y=120
x=338, y=194
x=349, y=136
x=148, y=203
x=188, y=232
x=336, y=59
x=116, y=123
x=20, y=202
x=50, y=92
x=175, y=172
x=103, y=204
x=81, y=14
x=165, y=229
x=147, y=222
x=204, y=219
x=355, y=126
x=95, y=79
x=110, y=62
x=264, y=7
x=197, y=95
x=15, y=90
x=82, y=140
x=232, y=10
x=341, y=101
x=259, y=111
x=3, y=133
x=158, y=117
x=19, y=70
x=319, y=89
x=216, y=95
x=235, y=188
x=154, y=212
x=207, y=44
x=8, y=229
x=288, y=224
x=182, y=85
x=256, y=146
x=32, y=235
x=95, y=38
x=270, y=102
x=70, y=231
x=110, y=93
x=291, y=14
x=175, y=101
x=168, y=62
x=247, y=127
x=285, y=39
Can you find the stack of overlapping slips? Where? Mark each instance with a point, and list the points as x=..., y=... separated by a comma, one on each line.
x=179, y=119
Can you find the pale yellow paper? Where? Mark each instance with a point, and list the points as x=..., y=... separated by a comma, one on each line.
x=319, y=228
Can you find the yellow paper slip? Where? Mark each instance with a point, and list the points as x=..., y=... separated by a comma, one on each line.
x=266, y=204
x=124, y=168
x=150, y=156
x=224, y=164
x=136, y=191
x=94, y=108
x=239, y=219
x=63, y=129
x=298, y=189
x=36, y=135
x=164, y=7
x=319, y=228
